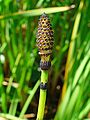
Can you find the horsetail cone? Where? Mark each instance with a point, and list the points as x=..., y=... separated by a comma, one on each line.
x=45, y=41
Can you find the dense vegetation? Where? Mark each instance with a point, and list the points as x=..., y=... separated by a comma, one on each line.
x=68, y=94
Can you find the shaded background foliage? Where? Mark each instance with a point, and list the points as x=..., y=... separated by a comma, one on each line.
x=19, y=59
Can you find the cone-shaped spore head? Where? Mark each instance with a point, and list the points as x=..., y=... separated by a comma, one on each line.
x=45, y=41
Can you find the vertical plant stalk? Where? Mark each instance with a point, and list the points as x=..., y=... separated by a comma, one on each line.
x=69, y=62
x=42, y=98
x=45, y=45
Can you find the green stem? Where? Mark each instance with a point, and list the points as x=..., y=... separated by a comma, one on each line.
x=42, y=99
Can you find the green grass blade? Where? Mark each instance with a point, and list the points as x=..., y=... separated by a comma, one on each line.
x=80, y=69
x=13, y=73
x=2, y=91
x=37, y=12
x=28, y=101
x=10, y=117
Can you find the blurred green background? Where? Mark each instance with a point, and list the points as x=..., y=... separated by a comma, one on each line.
x=68, y=96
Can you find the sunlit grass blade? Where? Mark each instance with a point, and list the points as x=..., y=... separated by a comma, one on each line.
x=72, y=45
x=10, y=117
x=14, y=104
x=37, y=12
x=80, y=69
x=85, y=111
x=13, y=73
x=62, y=107
x=2, y=48
x=28, y=101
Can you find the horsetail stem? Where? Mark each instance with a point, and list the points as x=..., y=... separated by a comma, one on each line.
x=45, y=45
